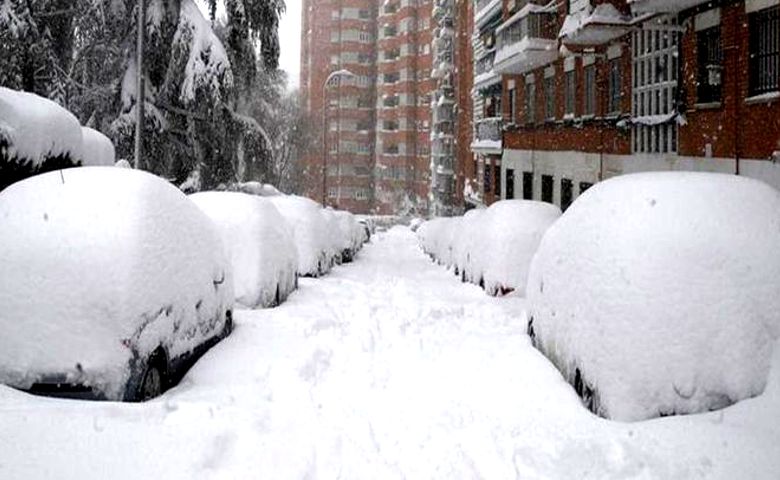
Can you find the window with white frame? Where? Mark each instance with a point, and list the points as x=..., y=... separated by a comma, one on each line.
x=654, y=93
x=512, y=99
x=615, y=86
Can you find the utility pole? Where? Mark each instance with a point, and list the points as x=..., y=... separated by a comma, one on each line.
x=139, y=95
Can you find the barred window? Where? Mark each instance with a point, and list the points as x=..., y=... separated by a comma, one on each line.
x=710, y=65
x=615, y=85
x=764, y=51
x=571, y=91
x=530, y=102
x=549, y=98
x=590, y=90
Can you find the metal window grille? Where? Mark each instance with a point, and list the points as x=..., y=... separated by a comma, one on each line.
x=708, y=84
x=590, y=90
x=549, y=98
x=571, y=91
x=656, y=70
x=765, y=51
x=530, y=103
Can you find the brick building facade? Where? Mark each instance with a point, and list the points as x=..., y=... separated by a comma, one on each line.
x=377, y=154
x=589, y=91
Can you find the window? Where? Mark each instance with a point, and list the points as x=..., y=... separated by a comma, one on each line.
x=547, y=188
x=614, y=86
x=590, y=90
x=571, y=92
x=497, y=180
x=363, y=14
x=709, y=62
x=764, y=51
x=549, y=98
x=512, y=106
x=584, y=186
x=528, y=185
x=510, y=184
x=530, y=102
x=655, y=65
x=486, y=178
x=332, y=192
x=566, y=193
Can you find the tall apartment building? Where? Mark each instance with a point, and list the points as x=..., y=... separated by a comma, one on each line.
x=374, y=157
x=592, y=90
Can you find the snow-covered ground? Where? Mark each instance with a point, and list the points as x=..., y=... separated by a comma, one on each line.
x=387, y=368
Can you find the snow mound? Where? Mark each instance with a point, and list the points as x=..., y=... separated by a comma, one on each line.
x=97, y=149
x=310, y=231
x=257, y=188
x=657, y=293
x=510, y=234
x=34, y=128
x=101, y=266
x=259, y=244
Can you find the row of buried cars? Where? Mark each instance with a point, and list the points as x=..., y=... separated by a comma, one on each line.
x=654, y=294
x=114, y=281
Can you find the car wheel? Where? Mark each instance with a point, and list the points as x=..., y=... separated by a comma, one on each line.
x=152, y=383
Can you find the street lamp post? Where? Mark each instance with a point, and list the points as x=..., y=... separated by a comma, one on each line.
x=337, y=74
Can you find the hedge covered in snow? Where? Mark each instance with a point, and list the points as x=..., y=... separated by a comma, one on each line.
x=659, y=293
x=490, y=247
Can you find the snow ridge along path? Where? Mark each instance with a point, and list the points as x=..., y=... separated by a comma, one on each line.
x=388, y=367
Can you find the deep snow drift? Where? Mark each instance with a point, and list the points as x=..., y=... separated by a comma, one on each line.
x=387, y=368
x=663, y=290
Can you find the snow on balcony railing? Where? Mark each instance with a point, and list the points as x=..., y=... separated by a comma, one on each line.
x=484, y=10
x=664, y=6
x=488, y=135
x=603, y=24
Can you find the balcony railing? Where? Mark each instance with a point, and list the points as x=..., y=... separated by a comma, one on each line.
x=488, y=135
x=664, y=6
x=527, y=40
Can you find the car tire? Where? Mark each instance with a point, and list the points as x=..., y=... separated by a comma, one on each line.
x=151, y=383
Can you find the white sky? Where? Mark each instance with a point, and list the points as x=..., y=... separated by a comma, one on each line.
x=289, y=38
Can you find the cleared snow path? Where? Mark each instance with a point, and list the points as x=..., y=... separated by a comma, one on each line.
x=386, y=368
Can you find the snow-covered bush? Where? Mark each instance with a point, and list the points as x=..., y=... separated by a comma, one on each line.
x=36, y=135
x=310, y=231
x=657, y=293
x=259, y=244
x=97, y=149
x=510, y=234
x=103, y=271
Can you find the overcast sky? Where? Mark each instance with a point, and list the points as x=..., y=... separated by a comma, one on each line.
x=290, y=40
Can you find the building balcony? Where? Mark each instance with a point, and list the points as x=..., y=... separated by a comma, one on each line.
x=526, y=41
x=488, y=136
x=484, y=75
x=484, y=10
x=664, y=6
x=601, y=26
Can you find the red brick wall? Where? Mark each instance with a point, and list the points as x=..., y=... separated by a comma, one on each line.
x=464, y=82
x=734, y=128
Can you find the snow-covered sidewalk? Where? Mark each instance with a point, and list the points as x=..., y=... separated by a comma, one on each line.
x=388, y=367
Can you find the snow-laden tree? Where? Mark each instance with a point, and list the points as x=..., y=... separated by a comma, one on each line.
x=82, y=54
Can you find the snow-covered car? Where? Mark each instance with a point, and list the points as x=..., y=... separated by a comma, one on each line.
x=97, y=149
x=112, y=284
x=465, y=249
x=310, y=231
x=657, y=293
x=259, y=244
x=352, y=233
x=337, y=239
x=36, y=135
x=509, y=235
